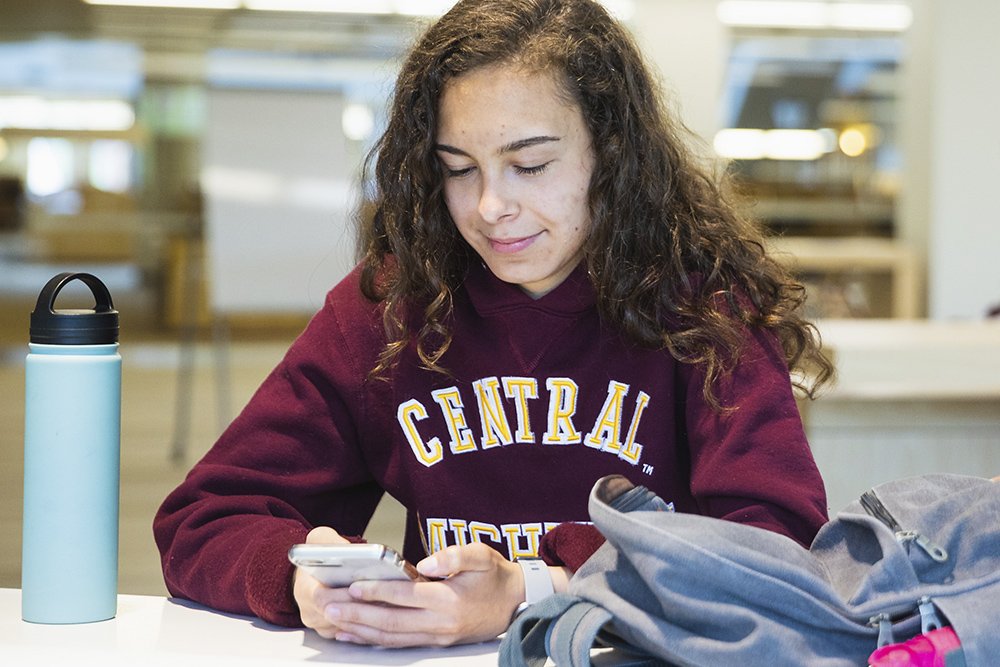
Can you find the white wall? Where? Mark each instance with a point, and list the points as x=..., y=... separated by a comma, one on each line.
x=684, y=40
x=277, y=177
x=964, y=138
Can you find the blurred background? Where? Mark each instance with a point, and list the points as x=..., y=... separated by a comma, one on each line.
x=202, y=158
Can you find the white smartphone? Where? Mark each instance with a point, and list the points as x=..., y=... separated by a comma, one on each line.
x=337, y=565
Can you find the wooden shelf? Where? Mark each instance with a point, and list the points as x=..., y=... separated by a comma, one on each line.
x=827, y=255
x=851, y=212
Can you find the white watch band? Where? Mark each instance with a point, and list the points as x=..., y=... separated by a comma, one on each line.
x=537, y=581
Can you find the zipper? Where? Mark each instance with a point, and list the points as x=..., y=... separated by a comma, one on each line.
x=886, y=623
x=874, y=506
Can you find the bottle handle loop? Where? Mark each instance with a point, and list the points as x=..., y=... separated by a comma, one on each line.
x=102, y=297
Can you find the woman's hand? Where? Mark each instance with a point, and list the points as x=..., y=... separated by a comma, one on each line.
x=474, y=601
x=312, y=596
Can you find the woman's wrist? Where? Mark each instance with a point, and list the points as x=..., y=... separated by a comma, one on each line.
x=560, y=575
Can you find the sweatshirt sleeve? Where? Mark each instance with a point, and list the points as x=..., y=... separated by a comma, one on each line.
x=290, y=461
x=752, y=464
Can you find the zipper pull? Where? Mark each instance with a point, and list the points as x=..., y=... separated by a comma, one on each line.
x=932, y=549
x=884, y=625
x=929, y=620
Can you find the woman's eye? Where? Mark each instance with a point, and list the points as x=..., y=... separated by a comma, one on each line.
x=457, y=173
x=531, y=171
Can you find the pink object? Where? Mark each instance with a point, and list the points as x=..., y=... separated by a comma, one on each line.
x=927, y=650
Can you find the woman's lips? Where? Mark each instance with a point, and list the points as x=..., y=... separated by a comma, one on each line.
x=512, y=245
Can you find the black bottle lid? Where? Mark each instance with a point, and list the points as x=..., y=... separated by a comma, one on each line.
x=96, y=326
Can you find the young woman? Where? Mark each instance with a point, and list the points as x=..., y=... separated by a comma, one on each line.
x=550, y=290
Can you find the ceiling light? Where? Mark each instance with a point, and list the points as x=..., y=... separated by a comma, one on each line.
x=852, y=142
x=794, y=145
x=856, y=139
x=886, y=16
x=322, y=6
x=622, y=9
x=754, y=144
x=780, y=13
x=422, y=7
x=405, y=7
x=739, y=144
x=171, y=4
x=892, y=17
x=357, y=121
x=37, y=113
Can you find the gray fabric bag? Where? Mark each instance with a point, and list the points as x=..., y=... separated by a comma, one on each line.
x=682, y=589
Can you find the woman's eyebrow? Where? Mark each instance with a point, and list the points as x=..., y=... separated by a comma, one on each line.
x=512, y=147
x=515, y=146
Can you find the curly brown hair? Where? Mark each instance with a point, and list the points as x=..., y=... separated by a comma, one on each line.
x=673, y=262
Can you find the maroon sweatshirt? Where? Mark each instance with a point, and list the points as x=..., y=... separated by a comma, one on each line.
x=542, y=401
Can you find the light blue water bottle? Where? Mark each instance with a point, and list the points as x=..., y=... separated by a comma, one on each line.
x=72, y=439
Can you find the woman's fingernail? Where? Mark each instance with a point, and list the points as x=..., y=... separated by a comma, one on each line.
x=428, y=565
x=332, y=613
x=359, y=589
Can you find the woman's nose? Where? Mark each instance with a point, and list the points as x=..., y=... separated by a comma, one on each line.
x=495, y=201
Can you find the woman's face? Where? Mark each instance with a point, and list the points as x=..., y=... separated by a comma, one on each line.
x=517, y=161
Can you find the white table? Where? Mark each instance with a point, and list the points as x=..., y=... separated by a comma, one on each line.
x=161, y=631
